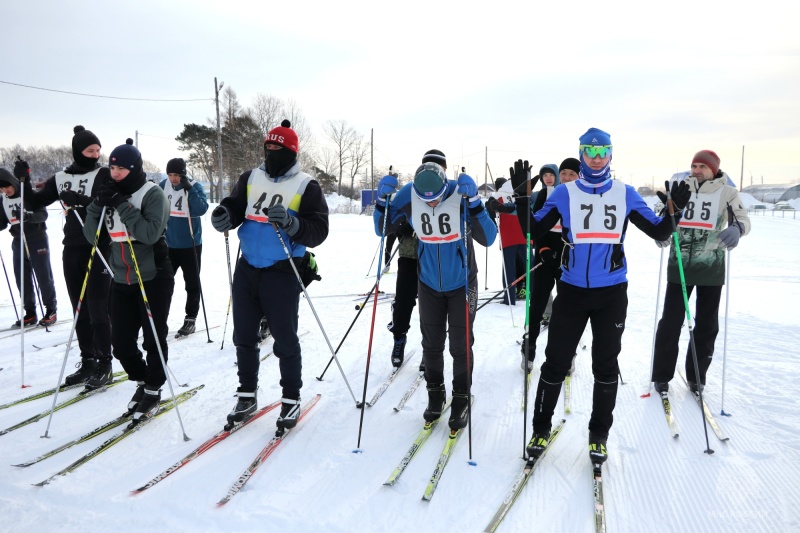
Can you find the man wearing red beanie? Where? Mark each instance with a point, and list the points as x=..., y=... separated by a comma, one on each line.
x=712, y=222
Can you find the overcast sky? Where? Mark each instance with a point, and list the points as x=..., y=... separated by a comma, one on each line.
x=665, y=79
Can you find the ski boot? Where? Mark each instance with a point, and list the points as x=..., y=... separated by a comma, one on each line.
x=662, y=387
x=85, y=370
x=49, y=318
x=29, y=319
x=398, y=351
x=101, y=376
x=187, y=329
x=136, y=398
x=436, y=399
x=147, y=406
x=459, y=410
x=245, y=406
x=597, y=449
x=290, y=412
x=537, y=445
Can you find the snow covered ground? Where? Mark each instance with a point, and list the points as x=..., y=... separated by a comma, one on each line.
x=314, y=481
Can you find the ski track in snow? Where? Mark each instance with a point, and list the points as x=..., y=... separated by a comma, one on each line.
x=315, y=482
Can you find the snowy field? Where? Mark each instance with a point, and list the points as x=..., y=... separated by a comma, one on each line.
x=314, y=482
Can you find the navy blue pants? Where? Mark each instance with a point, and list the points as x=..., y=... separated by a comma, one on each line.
x=40, y=259
x=512, y=257
x=184, y=258
x=274, y=294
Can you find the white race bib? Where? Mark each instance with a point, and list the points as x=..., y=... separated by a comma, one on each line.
x=178, y=201
x=437, y=225
x=80, y=183
x=9, y=205
x=597, y=217
x=557, y=227
x=263, y=193
x=701, y=211
x=116, y=229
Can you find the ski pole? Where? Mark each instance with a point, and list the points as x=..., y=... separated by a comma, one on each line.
x=466, y=326
x=505, y=273
x=75, y=318
x=10, y=291
x=373, y=259
x=689, y=320
x=230, y=284
x=35, y=279
x=731, y=219
x=99, y=253
x=155, y=333
x=22, y=277
x=196, y=263
x=525, y=374
x=311, y=305
x=514, y=284
x=360, y=308
x=655, y=323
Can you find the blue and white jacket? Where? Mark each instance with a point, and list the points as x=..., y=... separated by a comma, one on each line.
x=178, y=234
x=596, y=264
x=441, y=266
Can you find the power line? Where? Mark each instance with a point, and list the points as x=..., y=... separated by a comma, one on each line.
x=110, y=97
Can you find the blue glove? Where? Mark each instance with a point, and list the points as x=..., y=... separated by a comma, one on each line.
x=277, y=214
x=729, y=237
x=387, y=186
x=467, y=187
x=221, y=219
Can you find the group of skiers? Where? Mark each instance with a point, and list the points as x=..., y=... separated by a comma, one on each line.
x=577, y=225
x=143, y=233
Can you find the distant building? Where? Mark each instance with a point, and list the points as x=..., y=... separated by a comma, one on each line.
x=772, y=194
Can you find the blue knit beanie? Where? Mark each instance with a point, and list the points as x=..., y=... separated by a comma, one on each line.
x=595, y=137
x=126, y=156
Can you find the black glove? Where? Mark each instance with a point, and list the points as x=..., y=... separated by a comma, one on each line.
x=109, y=197
x=277, y=214
x=548, y=258
x=221, y=219
x=679, y=192
x=73, y=199
x=22, y=171
x=16, y=214
x=519, y=176
x=184, y=184
x=492, y=205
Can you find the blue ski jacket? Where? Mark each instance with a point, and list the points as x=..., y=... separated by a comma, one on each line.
x=441, y=266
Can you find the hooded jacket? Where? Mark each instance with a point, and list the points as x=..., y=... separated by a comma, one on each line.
x=35, y=227
x=702, y=254
x=441, y=266
x=178, y=231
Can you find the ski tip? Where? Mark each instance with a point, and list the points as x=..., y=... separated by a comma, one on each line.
x=472, y=463
x=358, y=450
x=23, y=465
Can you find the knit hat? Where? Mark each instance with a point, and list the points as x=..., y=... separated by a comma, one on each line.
x=708, y=158
x=176, y=166
x=126, y=156
x=595, y=137
x=82, y=139
x=435, y=156
x=430, y=182
x=284, y=136
x=572, y=164
x=499, y=183
x=7, y=178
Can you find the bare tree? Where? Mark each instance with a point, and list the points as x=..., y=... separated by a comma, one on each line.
x=342, y=137
x=265, y=111
x=358, y=156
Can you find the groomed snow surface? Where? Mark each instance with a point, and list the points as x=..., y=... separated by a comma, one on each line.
x=314, y=481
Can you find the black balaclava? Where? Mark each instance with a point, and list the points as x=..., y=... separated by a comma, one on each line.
x=278, y=162
x=82, y=139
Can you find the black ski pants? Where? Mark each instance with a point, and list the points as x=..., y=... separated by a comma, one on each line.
x=184, y=258
x=606, y=308
x=544, y=279
x=405, y=296
x=387, y=247
x=274, y=294
x=93, y=328
x=443, y=316
x=129, y=315
x=669, y=331
x=40, y=259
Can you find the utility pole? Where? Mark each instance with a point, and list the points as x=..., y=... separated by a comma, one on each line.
x=741, y=175
x=137, y=139
x=217, y=88
x=372, y=162
x=486, y=172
